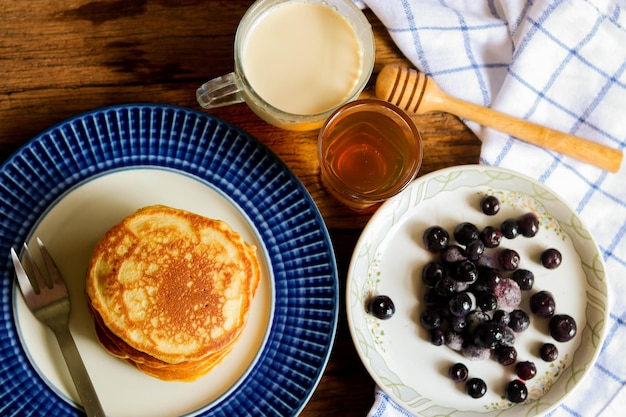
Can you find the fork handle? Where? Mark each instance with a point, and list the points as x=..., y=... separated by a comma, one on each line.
x=79, y=374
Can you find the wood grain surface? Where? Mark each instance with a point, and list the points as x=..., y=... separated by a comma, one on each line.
x=62, y=58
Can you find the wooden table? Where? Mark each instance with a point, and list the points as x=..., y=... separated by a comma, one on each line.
x=61, y=58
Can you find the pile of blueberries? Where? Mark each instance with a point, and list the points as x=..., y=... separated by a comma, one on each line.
x=473, y=294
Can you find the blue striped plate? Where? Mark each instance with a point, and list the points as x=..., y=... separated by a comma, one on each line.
x=72, y=182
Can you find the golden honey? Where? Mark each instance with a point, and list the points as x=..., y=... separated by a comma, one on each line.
x=369, y=150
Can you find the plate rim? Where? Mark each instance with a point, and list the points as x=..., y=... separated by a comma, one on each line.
x=378, y=217
x=11, y=235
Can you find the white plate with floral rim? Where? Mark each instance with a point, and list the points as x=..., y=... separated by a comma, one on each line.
x=389, y=258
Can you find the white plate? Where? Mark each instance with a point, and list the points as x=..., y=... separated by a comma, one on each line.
x=389, y=257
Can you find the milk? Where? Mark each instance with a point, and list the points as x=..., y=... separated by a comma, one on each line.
x=302, y=57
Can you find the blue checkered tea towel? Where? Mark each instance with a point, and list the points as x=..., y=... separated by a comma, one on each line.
x=559, y=63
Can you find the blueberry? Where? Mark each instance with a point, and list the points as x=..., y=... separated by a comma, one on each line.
x=487, y=301
x=524, y=278
x=516, y=391
x=526, y=370
x=460, y=304
x=551, y=258
x=509, y=228
x=466, y=232
x=487, y=260
x=549, y=352
x=508, y=294
x=562, y=327
x=490, y=205
x=437, y=337
x=458, y=372
x=508, y=338
x=458, y=324
x=474, y=319
x=488, y=278
x=518, y=320
x=433, y=272
x=436, y=238
x=453, y=254
x=382, y=307
x=542, y=304
x=528, y=224
x=491, y=237
x=430, y=319
x=454, y=340
x=501, y=316
x=489, y=335
x=466, y=271
x=506, y=355
x=474, y=250
x=476, y=387
x=475, y=353
x=445, y=286
x=509, y=259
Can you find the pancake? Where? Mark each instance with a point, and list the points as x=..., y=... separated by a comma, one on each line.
x=183, y=372
x=170, y=291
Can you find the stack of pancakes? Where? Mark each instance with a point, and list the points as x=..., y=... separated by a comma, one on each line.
x=170, y=291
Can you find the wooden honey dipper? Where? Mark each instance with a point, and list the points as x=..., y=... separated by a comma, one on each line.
x=417, y=93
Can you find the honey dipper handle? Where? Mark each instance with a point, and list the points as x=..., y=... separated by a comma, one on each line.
x=584, y=150
x=417, y=93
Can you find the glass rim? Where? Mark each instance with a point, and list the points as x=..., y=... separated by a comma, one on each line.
x=410, y=173
x=362, y=29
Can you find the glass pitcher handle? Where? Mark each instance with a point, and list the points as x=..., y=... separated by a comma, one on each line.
x=220, y=91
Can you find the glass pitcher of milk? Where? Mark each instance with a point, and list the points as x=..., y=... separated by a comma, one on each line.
x=296, y=61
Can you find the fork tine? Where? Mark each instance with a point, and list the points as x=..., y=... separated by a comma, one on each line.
x=26, y=285
x=36, y=275
x=54, y=274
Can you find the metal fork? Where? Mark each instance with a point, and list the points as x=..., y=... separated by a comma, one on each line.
x=46, y=296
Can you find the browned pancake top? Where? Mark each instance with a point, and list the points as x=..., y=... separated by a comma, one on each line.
x=173, y=284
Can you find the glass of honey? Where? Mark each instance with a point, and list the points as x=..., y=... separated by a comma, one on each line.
x=369, y=150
